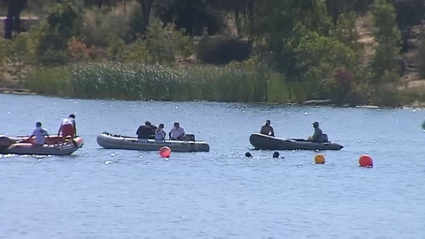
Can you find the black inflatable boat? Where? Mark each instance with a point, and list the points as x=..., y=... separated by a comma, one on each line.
x=260, y=141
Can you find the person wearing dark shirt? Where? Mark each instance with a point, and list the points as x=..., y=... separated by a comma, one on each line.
x=318, y=134
x=146, y=131
x=267, y=129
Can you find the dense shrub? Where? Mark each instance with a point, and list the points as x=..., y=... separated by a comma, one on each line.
x=343, y=86
x=52, y=35
x=99, y=25
x=220, y=51
x=384, y=66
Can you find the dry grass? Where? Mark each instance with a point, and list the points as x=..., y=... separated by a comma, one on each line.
x=365, y=28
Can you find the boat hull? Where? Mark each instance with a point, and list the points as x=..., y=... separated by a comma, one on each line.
x=110, y=141
x=260, y=141
x=53, y=146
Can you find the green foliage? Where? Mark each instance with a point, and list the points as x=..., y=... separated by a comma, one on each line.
x=342, y=86
x=222, y=51
x=99, y=25
x=4, y=45
x=137, y=52
x=116, y=47
x=346, y=31
x=136, y=25
x=49, y=81
x=317, y=56
x=63, y=22
x=250, y=81
x=62, y=18
x=386, y=95
x=303, y=49
x=14, y=56
x=276, y=24
x=384, y=65
x=160, y=47
x=183, y=44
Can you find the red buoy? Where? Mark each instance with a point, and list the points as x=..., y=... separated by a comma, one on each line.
x=366, y=161
x=165, y=152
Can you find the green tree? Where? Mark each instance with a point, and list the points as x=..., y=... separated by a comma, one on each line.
x=409, y=14
x=63, y=22
x=384, y=65
x=275, y=23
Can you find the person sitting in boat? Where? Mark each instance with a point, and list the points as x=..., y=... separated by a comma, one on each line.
x=160, y=133
x=68, y=128
x=267, y=129
x=154, y=128
x=318, y=136
x=40, y=134
x=145, y=131
x=177, y=132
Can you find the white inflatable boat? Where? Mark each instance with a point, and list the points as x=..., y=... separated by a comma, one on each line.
x=110, y=141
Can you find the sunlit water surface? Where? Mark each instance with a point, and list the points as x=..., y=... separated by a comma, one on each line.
x=98, y=193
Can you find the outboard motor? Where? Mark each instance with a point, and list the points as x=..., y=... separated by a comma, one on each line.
x=5, y=143
x=189, y=137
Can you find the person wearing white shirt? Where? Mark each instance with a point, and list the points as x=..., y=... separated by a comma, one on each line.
x=160, y=133
x=40, y=135
x=177, y=132
x=68, y=128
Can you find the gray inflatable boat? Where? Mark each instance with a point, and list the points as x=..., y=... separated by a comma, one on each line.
x=110, y=141
x=260, y=141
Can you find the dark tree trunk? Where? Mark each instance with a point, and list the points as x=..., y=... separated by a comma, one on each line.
x=405, y=35
x=251, y=16
x=335, y=12
x=14, y=8
x=237, y=23
x=8, y=25
x=17, y=22
x=146, y=6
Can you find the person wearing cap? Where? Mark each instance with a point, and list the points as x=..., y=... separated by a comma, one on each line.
x=40, y=134
x=177, y=132
x=318, y=134
x=68, y=128
x=146, y=131
x=267, y=129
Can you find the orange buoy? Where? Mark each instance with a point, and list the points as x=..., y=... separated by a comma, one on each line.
x=366, y=161
x=319, y=159
x=165, y=152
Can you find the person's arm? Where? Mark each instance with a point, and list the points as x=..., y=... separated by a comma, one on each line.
x=59, y=131
x=138, y=131
x=75, y=128
x=169, y=134
x=272, y=131
x=315, y=135
x=32, y=136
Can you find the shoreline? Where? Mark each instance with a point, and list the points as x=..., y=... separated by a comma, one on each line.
x=329, y=103
x=16, y=91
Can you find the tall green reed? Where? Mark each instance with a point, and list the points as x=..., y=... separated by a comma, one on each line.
x=236, y=82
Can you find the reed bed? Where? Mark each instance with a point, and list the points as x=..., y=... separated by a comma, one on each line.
x=238, y=82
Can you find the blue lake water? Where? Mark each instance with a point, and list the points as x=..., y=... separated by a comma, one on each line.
x=98, y=193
